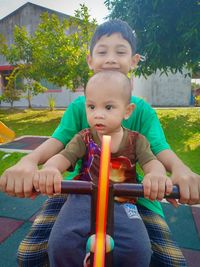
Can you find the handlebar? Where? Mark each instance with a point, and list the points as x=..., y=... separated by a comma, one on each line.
x=119, y=189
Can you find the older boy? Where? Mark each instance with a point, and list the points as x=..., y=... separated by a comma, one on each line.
x=112, y=47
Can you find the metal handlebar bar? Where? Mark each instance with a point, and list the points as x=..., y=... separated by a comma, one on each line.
x=119, y=189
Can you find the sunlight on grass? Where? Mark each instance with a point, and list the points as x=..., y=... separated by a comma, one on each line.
x=9, y=159
x=182, y=130
x=31, y=122
x=193, y=142
x=181, y=127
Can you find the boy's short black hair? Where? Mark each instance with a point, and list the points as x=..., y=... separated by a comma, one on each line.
x=114, y=26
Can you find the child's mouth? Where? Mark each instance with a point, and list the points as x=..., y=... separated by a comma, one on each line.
x=99, y=126
x=111, y=69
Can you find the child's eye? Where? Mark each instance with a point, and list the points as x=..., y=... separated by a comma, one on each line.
x=102, y=52
x=109, y=107
x=91, y=107
x=121, y=52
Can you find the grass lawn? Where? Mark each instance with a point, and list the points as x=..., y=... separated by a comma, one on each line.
x=182, y=130
x=181, y=127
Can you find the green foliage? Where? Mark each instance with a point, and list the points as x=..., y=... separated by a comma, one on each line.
x=62, y=59
x=167, y=30
x=55, y=52
x=10, y=95
x=12, y=92
x=197, y=101
x=195, y=86
x=51, y=102
x=32, y=88
x=3, y=45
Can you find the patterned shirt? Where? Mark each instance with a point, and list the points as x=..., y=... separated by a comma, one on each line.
x=86, y=144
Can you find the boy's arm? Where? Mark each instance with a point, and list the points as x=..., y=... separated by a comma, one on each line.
x=181, y=175
x=188, y=181
x=156, y=183
x=18, y=180
x=48, y=179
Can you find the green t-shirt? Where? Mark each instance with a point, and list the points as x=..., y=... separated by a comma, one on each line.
x=143, y=120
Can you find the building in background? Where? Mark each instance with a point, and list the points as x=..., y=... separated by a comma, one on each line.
x=165, y=90
x=28, y=15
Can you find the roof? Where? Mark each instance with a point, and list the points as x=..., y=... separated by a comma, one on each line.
x=41, y=7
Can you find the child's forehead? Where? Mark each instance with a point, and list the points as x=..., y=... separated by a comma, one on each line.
x=105, y=89
x=104, y=95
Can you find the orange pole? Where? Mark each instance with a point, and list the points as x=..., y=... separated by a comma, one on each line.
x=102, y=203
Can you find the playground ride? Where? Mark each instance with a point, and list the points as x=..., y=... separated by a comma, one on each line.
x=6, y=134
x=101, y=243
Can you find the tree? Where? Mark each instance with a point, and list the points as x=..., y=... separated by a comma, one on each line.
x=20, y=55
x=11, y=92
x=62, y=57
x=167, y=31
x=55, y=52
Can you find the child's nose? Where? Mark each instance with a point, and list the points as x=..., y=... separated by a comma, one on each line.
x=111, y=59
x=99, y=115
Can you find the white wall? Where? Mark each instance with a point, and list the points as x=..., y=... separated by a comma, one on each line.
x=171, y=90
x=163, y=90
x=62, y=99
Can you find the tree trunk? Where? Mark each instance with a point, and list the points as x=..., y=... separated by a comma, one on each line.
x=29, y=99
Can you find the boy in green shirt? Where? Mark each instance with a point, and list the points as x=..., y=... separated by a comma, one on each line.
x=112, y=47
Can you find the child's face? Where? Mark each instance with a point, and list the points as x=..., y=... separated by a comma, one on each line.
x=112, y=53
x=105, y=112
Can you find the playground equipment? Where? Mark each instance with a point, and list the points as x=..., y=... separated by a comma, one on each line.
x=6, y=134
x=102, y=206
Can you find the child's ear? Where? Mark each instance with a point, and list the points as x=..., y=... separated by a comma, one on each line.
x=135, y=60
x=89, y=61
x=129, y=111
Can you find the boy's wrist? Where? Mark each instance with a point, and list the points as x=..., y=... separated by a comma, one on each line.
x=179, y=166
x=28, y=159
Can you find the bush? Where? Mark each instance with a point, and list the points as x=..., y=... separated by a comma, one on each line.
x=197, y=101
x=51, y=102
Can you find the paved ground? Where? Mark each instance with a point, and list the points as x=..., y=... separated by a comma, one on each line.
x=16, y=217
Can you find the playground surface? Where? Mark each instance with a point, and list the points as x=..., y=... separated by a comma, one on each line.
x=17, y=215
x=23, y=144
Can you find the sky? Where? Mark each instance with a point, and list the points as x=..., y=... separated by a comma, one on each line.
x=97, y=9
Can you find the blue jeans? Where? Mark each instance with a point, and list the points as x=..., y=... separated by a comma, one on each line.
x=67, y=242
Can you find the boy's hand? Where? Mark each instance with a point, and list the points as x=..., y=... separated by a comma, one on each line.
x=156, y=186
x=48, y=181
x=18, y=180
x=189, y=185
x=181, y=175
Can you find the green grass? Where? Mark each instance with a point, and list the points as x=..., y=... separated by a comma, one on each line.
x=31, y=122
x=9, y=159
x=181, y=127
x=182, y=130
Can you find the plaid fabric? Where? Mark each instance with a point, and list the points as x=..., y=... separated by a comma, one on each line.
x=32, y=251
x=166, y=252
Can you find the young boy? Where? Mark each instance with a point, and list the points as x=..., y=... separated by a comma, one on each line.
x=112, y=48
x=108, y=95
